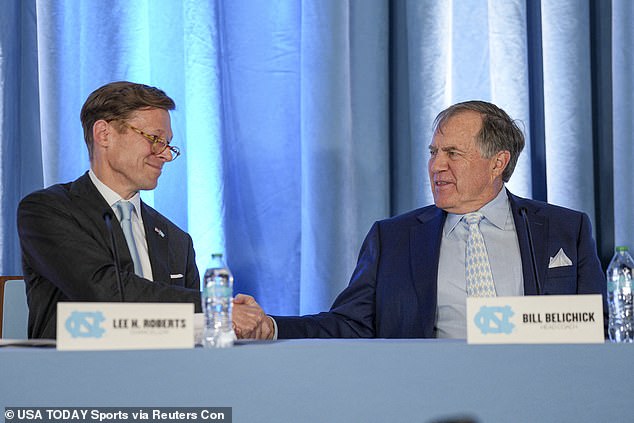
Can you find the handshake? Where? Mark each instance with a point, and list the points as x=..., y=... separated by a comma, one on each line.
x=249, y=320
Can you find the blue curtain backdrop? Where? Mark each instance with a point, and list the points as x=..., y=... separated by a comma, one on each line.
x=303, y=121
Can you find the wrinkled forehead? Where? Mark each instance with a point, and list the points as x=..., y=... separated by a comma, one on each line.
x=460, y=129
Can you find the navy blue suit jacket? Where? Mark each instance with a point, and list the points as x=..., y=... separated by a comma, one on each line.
x=393, y=290
x=67, y=255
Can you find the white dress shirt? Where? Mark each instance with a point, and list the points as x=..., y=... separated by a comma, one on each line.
x=138, y=230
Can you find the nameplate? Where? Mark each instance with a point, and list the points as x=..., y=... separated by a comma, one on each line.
x=543, y=319
x=124, y=326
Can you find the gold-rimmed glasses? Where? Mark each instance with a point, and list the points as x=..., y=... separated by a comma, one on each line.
x=159, y=144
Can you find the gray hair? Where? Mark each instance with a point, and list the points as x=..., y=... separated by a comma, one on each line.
x=498, y=133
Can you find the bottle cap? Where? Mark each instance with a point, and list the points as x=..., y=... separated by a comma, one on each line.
x=621, y=248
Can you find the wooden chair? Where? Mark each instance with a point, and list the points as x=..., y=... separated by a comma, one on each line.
x=13, y=307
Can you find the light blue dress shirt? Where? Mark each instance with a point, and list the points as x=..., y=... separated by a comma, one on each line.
x=500, y=238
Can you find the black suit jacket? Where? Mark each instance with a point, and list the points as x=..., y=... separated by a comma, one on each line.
x=67, y=255
x=393, y=290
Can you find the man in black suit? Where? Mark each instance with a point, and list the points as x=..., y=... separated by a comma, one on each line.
x=411, y=277
x=66, y=248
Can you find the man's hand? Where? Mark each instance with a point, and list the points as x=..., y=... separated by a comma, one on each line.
x=249, y=319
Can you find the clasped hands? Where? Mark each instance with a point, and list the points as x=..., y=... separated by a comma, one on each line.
x=249, y=320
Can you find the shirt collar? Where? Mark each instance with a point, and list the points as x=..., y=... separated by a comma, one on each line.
x=495, y=211
x=112, y=197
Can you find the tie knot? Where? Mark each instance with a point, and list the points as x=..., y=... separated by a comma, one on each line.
x=473, y=218
x=125, y=208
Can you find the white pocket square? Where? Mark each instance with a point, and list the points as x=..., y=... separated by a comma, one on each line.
x=560, y=260
x=176, y=276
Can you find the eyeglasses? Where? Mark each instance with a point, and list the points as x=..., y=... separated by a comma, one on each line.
x=159, y=144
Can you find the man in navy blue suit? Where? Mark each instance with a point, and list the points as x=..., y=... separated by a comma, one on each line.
x=410, y=277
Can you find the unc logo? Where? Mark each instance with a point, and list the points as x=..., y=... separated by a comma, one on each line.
x=85, y=324
x=494, y=320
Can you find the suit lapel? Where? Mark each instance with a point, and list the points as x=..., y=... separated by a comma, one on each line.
x=425, y=252
x=87, y=198
x=539, y=231
x=91, y=203
x=156, y=236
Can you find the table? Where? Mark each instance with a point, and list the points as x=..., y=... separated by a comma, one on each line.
x=338, y=380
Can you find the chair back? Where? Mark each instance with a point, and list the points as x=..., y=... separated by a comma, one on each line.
x=14, y=311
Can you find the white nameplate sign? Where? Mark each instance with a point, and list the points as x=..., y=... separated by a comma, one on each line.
x=535, y=319
x=124, y=326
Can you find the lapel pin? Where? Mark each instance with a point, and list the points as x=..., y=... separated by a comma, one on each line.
x=160, y=232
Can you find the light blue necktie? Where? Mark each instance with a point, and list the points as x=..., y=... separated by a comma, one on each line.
x=125, y=211
x=477, y=267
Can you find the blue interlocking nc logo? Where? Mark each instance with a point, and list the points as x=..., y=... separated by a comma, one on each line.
x=85, y=324
x=494, y=319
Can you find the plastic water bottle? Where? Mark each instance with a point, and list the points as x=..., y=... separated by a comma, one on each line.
x=217, y=304
x=621, y=324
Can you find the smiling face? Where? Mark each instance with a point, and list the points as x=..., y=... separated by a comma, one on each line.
x=461, y=179
x=123, y=158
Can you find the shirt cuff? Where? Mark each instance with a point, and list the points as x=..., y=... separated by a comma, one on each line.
x=275, y=326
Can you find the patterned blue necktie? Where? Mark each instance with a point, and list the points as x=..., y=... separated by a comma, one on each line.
x=125, y=211
x=477, y=267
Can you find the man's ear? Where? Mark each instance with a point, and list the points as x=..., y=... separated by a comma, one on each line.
x=500, y=161
x=100, y=131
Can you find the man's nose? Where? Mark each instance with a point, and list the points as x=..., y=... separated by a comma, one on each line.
x=438, y=163
x=166, y=155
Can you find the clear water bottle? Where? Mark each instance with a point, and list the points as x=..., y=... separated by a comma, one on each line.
x=217, y=304
x=621, y=324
